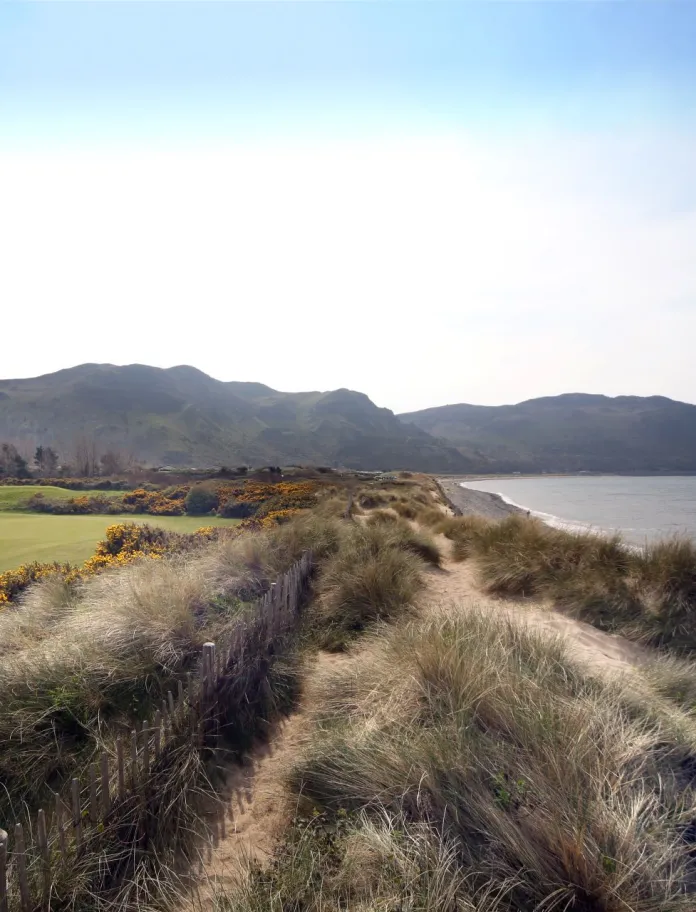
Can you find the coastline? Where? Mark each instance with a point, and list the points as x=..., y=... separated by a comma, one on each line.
x=467, y=501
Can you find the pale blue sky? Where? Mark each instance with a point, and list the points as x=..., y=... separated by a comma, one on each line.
x=518, y=176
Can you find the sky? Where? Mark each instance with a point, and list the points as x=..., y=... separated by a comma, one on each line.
x=429, y=202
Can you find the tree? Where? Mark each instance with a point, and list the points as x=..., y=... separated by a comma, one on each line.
x=85, y=456
x=111, y=463
x=46, y=460
x=12, y=465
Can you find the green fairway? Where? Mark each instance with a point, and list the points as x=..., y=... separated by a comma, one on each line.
x=13, y=496
x=26, y=537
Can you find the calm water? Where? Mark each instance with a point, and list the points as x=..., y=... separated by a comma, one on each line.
x=643, y=509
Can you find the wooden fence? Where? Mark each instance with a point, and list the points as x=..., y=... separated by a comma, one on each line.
x=34, y=853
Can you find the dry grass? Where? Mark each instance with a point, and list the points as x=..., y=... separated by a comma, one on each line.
x=649, y=596
x=374, y=577
x=405, y=509
x=381, y=517
x=473, y=740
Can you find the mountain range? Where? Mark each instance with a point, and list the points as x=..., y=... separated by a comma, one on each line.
x=180, y=416
x=570, y=433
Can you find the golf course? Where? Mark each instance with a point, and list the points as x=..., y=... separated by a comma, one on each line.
x=27, y=537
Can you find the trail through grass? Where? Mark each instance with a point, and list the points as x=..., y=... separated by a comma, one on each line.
x=26, y=537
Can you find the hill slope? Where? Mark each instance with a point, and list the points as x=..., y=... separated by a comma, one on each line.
x=181, y=416
x=571, y=433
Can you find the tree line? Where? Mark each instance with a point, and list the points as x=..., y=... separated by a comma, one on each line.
x=84, y=460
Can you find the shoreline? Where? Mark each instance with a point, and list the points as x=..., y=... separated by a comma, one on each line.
x=468, y=502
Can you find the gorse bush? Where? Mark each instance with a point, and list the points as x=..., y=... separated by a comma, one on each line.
x=74, y=506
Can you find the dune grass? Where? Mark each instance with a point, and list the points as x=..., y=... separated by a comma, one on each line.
x=464, y=763
x=374, y=577
x=646, y=595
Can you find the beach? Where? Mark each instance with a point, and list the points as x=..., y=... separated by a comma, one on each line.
x=467, y=501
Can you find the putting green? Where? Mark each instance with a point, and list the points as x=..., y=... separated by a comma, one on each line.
x=26, y=537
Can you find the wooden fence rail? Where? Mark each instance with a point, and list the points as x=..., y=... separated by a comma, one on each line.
x=41, y=848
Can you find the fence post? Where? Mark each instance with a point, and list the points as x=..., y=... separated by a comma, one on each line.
x=134, y=759
x=158, y=734
x=146, y=750
x=21, y=857
x=42, y=838
x=60, y=824
x=105, y=793
x=76, y=812
x=93, y=806
x=3, y=871
x=121, y=770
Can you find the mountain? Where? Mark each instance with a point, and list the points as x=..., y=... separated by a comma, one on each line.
x=180, y=416
x=570, y=433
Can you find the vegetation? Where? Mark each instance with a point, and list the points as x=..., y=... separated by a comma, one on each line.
x=12, y=464
x=456, y=762
x=463, y=762
x=18, y=497
x=27, y=538
x=648, y=595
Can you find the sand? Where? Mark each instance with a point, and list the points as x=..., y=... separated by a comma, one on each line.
x=466, y=501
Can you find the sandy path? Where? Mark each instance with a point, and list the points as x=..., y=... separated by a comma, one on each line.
x=456, y=584
x=258, y=803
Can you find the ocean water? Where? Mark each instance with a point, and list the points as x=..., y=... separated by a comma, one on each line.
x=643, y=509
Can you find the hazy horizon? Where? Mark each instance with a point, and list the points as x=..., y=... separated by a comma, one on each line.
x=429, y=203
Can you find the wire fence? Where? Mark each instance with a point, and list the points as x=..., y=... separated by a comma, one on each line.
x=121, y=791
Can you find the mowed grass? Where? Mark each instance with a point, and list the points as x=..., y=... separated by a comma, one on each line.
x=27, y=537
x=13, y=496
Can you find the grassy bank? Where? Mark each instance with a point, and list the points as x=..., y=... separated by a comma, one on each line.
x=464, y=763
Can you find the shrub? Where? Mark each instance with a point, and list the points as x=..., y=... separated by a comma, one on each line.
x=100, y=504
x=200, y=500
x=237, y=509
x=153, y=502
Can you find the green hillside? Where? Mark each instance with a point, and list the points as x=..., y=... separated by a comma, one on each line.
x=182, y=417
x=570, y=433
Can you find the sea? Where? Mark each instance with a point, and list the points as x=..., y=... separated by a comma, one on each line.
x=642, y=509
